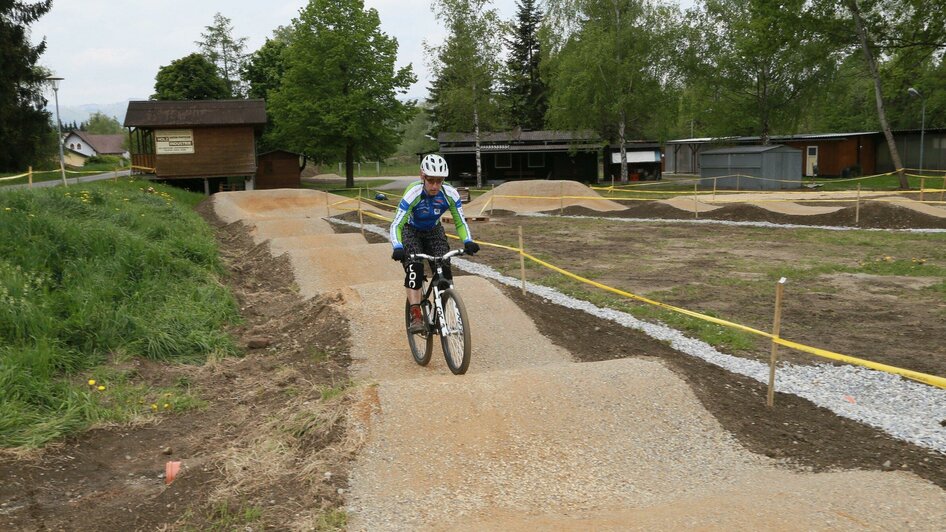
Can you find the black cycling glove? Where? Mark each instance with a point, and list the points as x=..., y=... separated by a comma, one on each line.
x=470, y=248
x=398, y=254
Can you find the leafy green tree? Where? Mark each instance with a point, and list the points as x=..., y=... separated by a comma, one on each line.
x=911, y=29
x=465, y=96
x=612, y=70
x=226, y=52
x=263, y=70
x=24, y=122
x=764, y=61
x=338, y=95
x=102, y=124
x=189, y=78
x=523, y=86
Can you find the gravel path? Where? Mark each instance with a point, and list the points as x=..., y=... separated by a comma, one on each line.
x=530, y=440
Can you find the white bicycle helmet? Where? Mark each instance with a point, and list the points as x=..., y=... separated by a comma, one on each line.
x=434, y=165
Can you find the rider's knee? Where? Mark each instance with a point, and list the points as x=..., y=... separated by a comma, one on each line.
x=414, y=278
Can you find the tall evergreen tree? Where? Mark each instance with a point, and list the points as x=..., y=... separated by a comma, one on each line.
x=523, y=87
x=225, y=52
x=24, y=122
x=338, y=95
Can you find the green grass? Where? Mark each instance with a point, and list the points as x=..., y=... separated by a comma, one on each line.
x=711, y=333
x=226, y=518
x=95, y=273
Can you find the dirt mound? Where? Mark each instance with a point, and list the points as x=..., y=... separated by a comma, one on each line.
x=872, y=215
x=539, y=195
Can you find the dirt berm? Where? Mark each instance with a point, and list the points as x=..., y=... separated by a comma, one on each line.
x=529, y=439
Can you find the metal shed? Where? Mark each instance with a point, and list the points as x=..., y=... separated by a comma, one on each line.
x=779, y=165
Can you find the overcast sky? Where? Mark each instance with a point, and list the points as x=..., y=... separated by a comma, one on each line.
x=109, y=51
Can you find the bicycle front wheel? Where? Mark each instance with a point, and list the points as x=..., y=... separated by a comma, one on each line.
x=422, y=344
x=455, y=332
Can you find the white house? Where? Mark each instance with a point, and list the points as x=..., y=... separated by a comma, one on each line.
x=81, y=145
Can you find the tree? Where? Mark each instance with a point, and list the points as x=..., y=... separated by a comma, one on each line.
x=102, y=124
x=523, y=86
x=610, y=72
x=338, y=95
x=914, y=27
x=764, y=62
x=24, y=122
x=263, y=69
x=464, y=92
x=226, y=52
x=189, y=78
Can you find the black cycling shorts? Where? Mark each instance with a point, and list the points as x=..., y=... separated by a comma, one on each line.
x=431, y=242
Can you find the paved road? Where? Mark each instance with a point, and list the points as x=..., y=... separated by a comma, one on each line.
x=69, y=180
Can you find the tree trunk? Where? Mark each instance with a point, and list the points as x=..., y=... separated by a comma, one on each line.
x=349, y=165
x=476, y=138
x=621, y=126
x=878, y=93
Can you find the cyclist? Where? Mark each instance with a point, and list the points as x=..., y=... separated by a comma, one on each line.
x=416, y=228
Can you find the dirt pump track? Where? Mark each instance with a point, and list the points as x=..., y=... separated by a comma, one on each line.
x=531, y=437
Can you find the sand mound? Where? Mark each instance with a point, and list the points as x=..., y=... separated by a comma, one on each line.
x=539, y=195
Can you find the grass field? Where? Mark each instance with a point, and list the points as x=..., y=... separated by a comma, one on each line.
x=97, y=273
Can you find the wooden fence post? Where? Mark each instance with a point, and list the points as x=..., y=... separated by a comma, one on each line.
x=776, y=328
x=361, y=216
x=522, y=261
x=857, y=207
x=561, y=199
x=696, y=203
x=29, y=174
x=922, y=186
x=714, y=188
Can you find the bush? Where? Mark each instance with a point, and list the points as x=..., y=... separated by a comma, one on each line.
x=113, y=160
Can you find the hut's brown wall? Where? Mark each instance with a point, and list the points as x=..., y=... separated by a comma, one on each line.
x=278, y=170
x=834, y=156
x=218, y=151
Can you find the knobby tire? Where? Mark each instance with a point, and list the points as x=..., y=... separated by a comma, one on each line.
x=421, y=344
x=456, y=345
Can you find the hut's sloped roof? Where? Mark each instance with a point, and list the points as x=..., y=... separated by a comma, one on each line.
x=196, y=113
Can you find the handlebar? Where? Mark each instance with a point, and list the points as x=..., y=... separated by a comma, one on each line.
x=447, y=256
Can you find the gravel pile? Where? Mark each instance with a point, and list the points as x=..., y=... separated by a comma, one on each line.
x=905, y=409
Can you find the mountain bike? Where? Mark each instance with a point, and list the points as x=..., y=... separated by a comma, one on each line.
x=444, y=315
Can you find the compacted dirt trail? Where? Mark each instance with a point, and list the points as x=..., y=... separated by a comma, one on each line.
x=529, y=438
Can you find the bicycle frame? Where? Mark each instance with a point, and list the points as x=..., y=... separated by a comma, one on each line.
x=436, y=286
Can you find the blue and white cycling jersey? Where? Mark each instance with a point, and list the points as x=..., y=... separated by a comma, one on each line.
x=423, y=211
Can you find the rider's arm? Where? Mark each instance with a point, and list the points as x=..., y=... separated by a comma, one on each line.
x=403, y=212
x=456, y=209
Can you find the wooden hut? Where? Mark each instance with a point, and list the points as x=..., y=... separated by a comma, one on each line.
x=212, y=140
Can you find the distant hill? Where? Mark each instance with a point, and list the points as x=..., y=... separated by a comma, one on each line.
x=80, y=113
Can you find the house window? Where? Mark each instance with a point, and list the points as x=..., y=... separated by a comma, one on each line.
x=536, y=160
x=503, y=160
x=72, y=146
x=78, y=145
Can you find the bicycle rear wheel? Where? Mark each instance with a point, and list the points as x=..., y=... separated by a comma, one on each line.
x=455, y=332
x=422, y=344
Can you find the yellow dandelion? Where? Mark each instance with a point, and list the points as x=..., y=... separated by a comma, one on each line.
x=167, y=405
x=101, y=388
x=154, y=406
x=91, y=382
